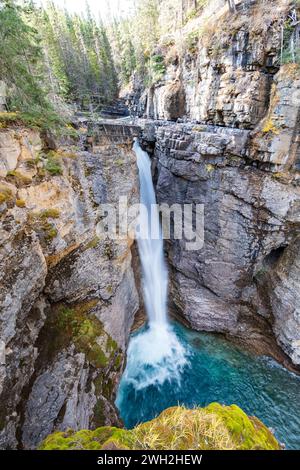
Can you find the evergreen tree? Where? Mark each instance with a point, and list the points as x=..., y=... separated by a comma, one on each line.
x=20, y=58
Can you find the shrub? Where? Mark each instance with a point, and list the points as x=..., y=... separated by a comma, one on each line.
x=19, y=178
x=50, y=214
x=192, y=42
x=53, y=166
x=269, y=126
x=6, y=194
x=157, y=67
x=20, y=203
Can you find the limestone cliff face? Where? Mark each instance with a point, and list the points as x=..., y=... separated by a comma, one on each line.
x=67, y=297
x=221, y=65
x=235, y=150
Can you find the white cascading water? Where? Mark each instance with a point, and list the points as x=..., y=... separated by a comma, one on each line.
x=155, y=277
x=155, y=355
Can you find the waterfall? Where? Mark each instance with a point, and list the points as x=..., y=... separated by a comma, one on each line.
x=155, y=279
x=156, y=354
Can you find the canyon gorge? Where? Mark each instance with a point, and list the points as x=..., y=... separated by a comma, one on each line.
x=222, y=128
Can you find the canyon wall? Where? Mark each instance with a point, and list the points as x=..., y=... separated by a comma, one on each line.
x=235, y=149
x=68, y=295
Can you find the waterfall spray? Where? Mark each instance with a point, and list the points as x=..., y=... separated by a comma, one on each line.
x=156, y=355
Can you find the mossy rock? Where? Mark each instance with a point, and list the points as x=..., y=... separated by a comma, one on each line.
x=77, y=324
x=6, y=194
x=247, y=432
x=40, y=223
x=215, y=427
x=84, y=330
x=18, y=178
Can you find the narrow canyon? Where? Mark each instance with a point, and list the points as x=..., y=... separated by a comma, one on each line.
x=221, y=127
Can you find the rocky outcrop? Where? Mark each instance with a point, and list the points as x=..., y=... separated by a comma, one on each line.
x=282, y=286
x=215, y=427
x=275, y=141
x=168, y=102
x=68, y=294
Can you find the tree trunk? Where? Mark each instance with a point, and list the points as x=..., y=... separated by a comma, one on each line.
x=182, y=13
x=2, y=96
x=231, y=4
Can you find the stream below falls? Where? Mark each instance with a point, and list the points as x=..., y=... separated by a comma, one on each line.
x=210, y=369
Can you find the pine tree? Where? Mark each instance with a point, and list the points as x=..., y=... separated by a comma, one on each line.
x=20, y=56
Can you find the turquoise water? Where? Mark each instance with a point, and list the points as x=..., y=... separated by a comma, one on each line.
x=215, y=370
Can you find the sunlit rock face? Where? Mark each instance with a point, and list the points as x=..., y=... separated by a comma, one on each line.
x=67, y=297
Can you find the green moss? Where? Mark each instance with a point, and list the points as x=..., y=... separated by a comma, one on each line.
x=18, y=178
x=6, y=194
x=107, y=388
x=39, y=223
x=112, y=345
x=35, y=119
x=52, y=161
x=50, y=232
x=7, y=119
x=66, y=441
x=246, y=432
x=85, y=440
x=93, y=243
x=192, y=41
x=53, y=166
x=79, y=326
x=215, y=427
x=118, y=361
x=99, y=416
x=209, y=168
x=50, y=214
x=20, y=203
